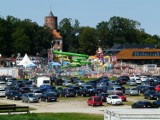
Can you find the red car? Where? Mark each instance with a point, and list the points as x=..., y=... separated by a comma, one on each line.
x=95, y=101
x=157, y=88
x=122, y=96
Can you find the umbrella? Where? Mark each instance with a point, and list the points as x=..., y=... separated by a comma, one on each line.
x=55, y=64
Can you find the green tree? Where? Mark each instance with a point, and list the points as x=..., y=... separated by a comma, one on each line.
x=102, y=34
x=70, y=33
x=123, y=30
x=88, y=42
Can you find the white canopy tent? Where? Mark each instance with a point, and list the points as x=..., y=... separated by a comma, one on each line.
x=26, y=62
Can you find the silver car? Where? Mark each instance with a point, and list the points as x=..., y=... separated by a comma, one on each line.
x=131, y=82
x=29, y=97
x=131, y=91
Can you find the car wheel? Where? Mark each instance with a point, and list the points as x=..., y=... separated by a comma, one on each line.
x=46, y=100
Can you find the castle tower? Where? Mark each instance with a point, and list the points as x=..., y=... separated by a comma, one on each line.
x=51, y=21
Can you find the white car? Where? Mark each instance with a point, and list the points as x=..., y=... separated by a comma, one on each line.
x=138, y=80
x=144, y=78
x=114, y=100
x=2, y=92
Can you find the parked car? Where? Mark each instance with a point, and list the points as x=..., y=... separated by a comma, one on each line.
x=131, y=91
x=68, y=92
x=134, y=76
x=150, y=94
x=114, y=100
x=29, y=97
x=131, y=82
x=148, y=88
x=87, y=90
x=67, y=83
x=14, y=95
x=37, y=92
x=74, y=79
x=24, y=90
x=95, y=101
x=122, y=96
x=157, y=88
x=49, y=97
x=144, y=78
x=142, y=104
x=123, y=79
x=79, y=83
x=140, y=88
x=138, y=80
x=2, y=92
x=114, y=90
x=103, y=96
x=156, y=103
x=76, y=88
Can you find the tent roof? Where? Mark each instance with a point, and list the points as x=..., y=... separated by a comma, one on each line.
x=26, y=62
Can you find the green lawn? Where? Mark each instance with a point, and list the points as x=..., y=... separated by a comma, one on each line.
x=52, y=116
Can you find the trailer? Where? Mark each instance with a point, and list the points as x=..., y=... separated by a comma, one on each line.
x=43, y=80
x=131, y=114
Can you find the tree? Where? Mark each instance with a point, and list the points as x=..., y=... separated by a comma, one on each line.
x=88, y=43
x=70, y=34
x=123, y=30
x=102, y=34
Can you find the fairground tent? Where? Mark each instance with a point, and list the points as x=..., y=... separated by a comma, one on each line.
x=26, y=62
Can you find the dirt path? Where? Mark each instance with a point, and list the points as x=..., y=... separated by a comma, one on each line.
x=78, y=106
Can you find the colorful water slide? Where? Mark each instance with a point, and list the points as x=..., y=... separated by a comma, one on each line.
x=69, y=54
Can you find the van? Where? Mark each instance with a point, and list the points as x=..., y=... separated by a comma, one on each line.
x=43, y=80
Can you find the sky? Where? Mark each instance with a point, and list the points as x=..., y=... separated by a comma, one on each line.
x=87, y=12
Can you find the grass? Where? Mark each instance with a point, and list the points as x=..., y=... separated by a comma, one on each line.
x=52, y=116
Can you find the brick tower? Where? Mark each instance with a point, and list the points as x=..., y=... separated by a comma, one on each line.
x=51, y=21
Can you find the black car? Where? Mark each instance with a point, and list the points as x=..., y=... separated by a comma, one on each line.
x=87, y=90
x=148, y=88
x=103, y=96
x=156, y=103
x=122, y=79
x=68, y=92
x=142, y=104
x=150, y=94
x=74, y=79
x=14, y=95
x=141, y=88
x=25, y=90
x=49, y=97
x=76, y=88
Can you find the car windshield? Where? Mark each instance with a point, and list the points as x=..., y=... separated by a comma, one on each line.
x=89, y=87
x=38, y=91
x=115, y=97
x=51, y=94
x=118, y=89
x=133, y=89
x=31, y=95
x=46, y=81
x=97, y=99
x=16, y=92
